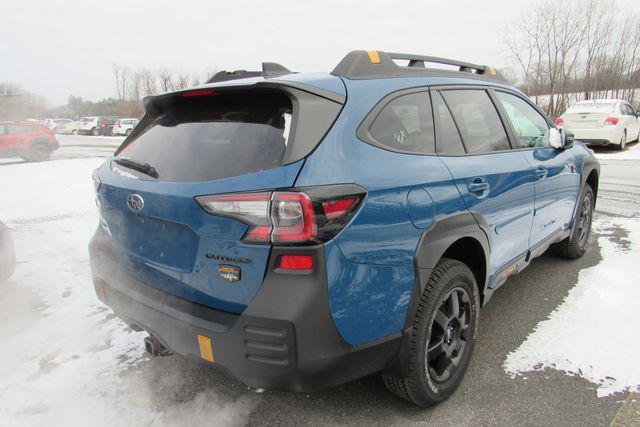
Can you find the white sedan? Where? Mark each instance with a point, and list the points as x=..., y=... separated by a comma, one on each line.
x=602, y=122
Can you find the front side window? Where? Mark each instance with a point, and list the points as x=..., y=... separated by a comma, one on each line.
x=406, y=124
x=478, y=121
x=532, y=130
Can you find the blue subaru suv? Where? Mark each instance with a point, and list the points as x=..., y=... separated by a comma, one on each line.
x=301, y=230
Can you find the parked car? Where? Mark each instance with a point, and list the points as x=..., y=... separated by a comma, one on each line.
x=31, y=141
x=124, y=126
x=298, y=238
x=96, y=125
x=7, y=253
x=54, y=124
x=602, y=122
x=70, y=128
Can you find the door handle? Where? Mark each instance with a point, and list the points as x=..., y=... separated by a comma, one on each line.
x=541, y=173
x=479, y=186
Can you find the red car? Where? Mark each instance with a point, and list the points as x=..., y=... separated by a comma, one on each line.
x=31, y=141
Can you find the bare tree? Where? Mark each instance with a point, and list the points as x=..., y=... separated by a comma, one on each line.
x=182, y=80
x=149, y=83
x=575, y=49
x=121, y=75
x=599, y=23
x=166, y=80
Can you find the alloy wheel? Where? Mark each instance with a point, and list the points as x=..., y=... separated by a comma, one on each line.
x=584, y=222
x=449, y=335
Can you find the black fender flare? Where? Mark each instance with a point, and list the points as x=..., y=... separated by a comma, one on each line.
x=432, y=245
x=590, y=164
x=435, y=241
x=38, y=141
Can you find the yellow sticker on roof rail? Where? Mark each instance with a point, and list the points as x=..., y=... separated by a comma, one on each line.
x=374, y=56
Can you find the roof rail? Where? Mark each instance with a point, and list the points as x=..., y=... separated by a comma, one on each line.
x=269, y=69
x=373, y=63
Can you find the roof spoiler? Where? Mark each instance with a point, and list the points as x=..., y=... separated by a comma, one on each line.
x=373, y=63
x=269, y=69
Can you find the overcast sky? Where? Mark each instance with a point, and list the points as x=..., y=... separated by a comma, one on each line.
x=58, y=48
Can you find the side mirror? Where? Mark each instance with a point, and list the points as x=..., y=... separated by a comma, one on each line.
x=561, y=139
x=555, y=138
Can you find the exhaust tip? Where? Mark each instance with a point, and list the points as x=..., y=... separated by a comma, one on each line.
x=155, y=348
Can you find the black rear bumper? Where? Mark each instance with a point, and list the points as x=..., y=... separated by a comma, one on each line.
x=284, y=340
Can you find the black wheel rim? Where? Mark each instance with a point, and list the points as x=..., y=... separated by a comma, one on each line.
x=449, y=336
x=584, y=222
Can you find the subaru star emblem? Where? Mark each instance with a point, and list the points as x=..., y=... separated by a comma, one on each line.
x=135, y=202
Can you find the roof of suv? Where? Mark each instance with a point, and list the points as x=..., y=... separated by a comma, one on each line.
x=356, y=65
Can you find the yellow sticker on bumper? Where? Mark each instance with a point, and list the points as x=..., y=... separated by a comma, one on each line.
x=206, y=349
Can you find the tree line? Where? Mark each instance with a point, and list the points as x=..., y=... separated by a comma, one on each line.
x=131, y=86
x=576, y=49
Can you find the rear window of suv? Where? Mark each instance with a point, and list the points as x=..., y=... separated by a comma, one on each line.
x=213, y=137
x=592, y=107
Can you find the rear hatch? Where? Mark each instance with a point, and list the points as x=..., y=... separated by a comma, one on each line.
x=588, y=116
x=201, y=143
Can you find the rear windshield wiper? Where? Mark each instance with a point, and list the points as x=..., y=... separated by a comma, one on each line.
x=136, y=165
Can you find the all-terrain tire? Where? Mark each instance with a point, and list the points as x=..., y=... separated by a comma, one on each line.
x=450, y=277
x=575, y=245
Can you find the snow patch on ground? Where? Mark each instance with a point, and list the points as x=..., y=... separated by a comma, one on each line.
x=594, y=333
x=65, y=359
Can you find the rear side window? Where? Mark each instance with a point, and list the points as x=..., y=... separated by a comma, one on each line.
x=448, y=139
x=478, y=121
x=530, y=127
x=214, y=137
x=406, y=125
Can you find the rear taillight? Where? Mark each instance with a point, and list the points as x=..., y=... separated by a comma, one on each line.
x=559, y=122
x=310, y=216
x=611, y=121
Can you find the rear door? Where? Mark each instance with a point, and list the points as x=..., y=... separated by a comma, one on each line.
x=557, y=181
x=494, y=181
x=199, y=144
